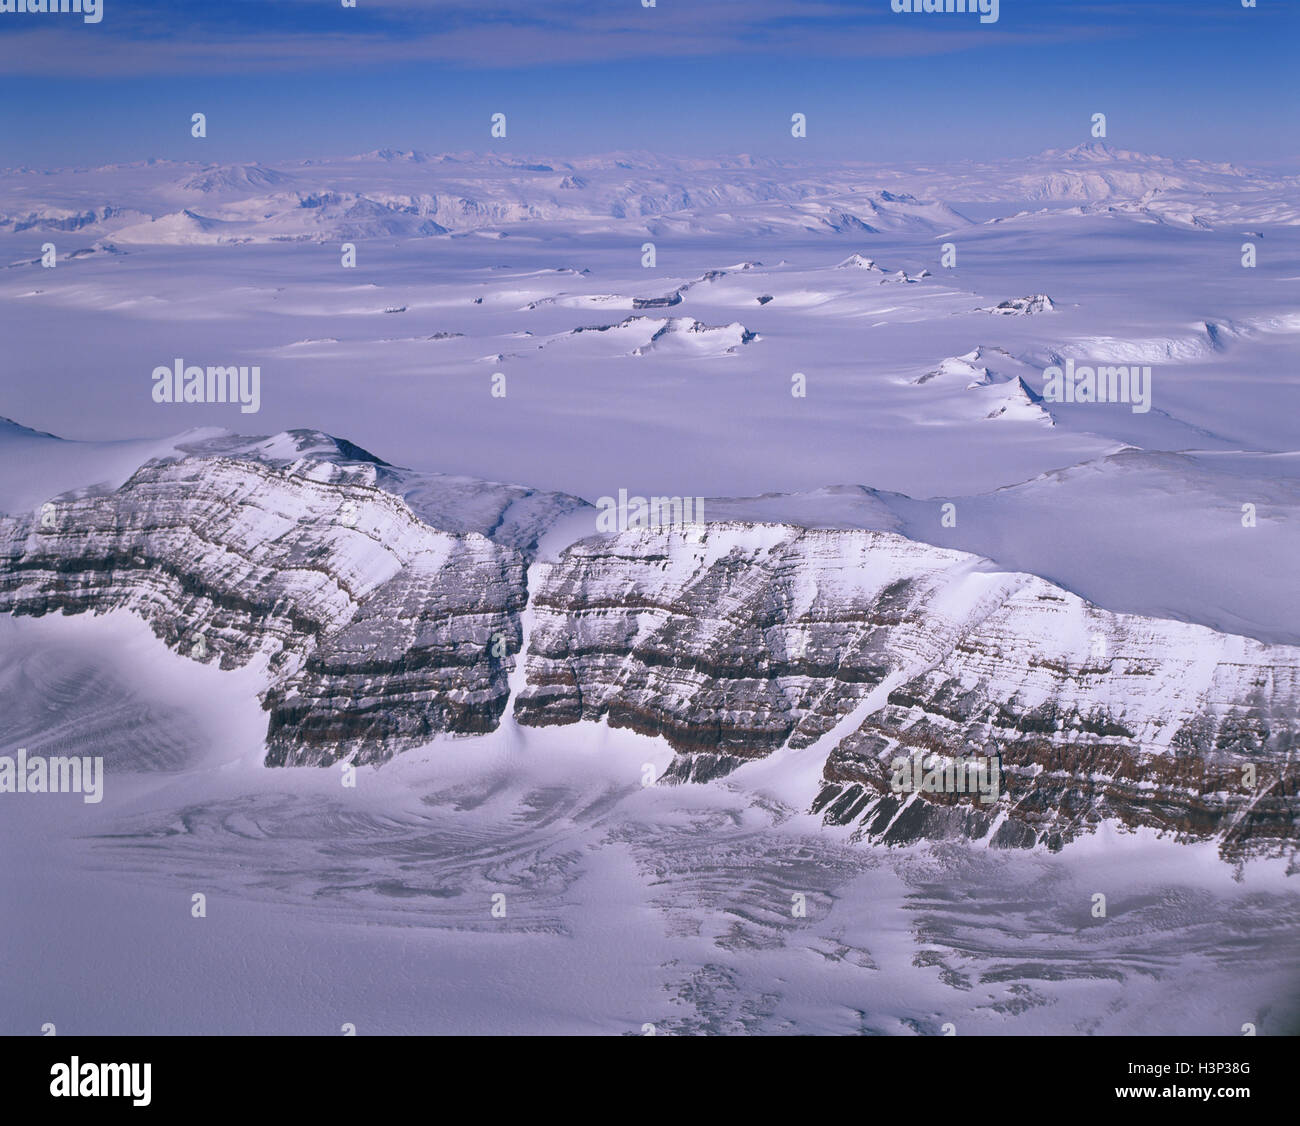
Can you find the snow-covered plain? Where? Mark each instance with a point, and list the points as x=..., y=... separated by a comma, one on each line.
x=630, y=904
x=626, y=905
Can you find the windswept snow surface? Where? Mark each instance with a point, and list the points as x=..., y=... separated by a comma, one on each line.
x=627, y=903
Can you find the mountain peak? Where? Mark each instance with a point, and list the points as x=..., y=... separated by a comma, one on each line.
x=17, y=429
x=1096, y=152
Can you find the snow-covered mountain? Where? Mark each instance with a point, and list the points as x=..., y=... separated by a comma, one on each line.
x=412, y=194
x=649, y=741
x=738, y=639
x=382, y=607
x=409, y=194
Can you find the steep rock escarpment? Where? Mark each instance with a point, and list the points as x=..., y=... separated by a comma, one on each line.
x=375, y=629
x=735, y=639
x=1095, y=716
x=384, y=608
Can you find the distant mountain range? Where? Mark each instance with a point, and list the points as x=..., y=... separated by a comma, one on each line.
x=391, y=193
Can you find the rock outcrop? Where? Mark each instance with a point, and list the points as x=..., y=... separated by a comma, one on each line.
x=385, y=607
x=733, y=640
x=375, y=630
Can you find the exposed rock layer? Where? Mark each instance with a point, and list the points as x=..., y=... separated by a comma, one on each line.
x=377, y=630
x=737, y=639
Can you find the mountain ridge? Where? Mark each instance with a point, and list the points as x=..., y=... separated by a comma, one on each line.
x=379, y=631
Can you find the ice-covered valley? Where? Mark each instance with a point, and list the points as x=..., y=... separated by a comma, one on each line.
x=904, y=537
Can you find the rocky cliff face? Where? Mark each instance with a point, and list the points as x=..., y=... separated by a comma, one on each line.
x=1095, y=716
x=736, y=639
x=376, y=630
x=385, y=607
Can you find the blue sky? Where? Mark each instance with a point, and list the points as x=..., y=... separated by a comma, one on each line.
x=285, y=79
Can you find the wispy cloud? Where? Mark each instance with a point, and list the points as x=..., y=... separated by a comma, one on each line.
x=165, y=38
